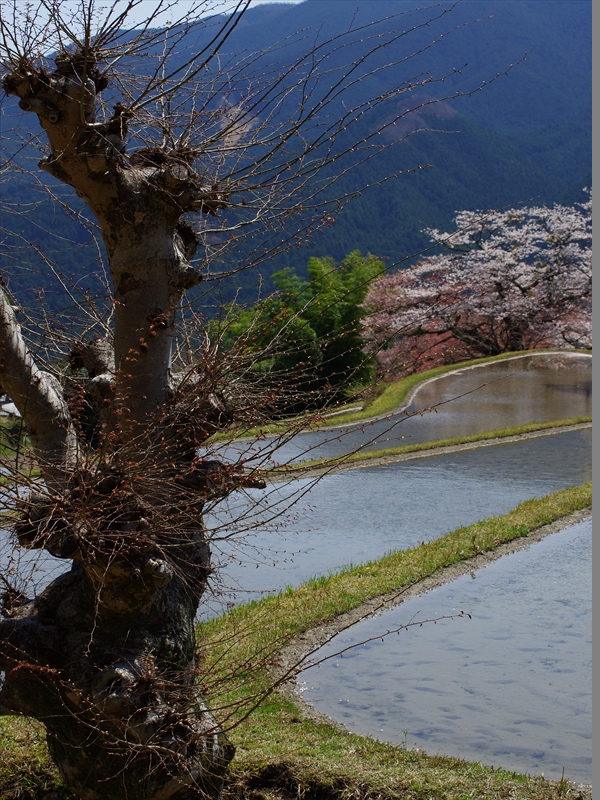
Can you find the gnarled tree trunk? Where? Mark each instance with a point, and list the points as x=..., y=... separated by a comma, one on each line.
x=105, y=657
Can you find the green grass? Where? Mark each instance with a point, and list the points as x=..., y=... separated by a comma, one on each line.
x=294, y=756
x=282, y=755
x=390, y=452
x=11, y=435
x=290, y=757
x=13, y=441
x=26, y=771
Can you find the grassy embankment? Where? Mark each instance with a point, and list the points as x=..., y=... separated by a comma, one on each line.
x=13, y=441
x=10, y=435
x=281, y=754
x=362, y=456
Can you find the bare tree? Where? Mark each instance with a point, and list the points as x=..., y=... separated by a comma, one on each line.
x=193, y=162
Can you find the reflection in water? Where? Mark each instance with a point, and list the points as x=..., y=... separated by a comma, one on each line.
x=511, y=686
x=359, y=515
x=474, y=399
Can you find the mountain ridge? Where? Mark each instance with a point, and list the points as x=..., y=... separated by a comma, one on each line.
x=524, y=138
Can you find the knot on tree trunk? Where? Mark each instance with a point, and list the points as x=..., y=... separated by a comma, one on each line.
x=114, y=701
x=173, y=173
x=67, y=96
x=11, y=598
x=129, y=546
x=97, y=356
x=91, y=399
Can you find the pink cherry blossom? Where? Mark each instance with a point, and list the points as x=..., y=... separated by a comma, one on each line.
x=506, y=280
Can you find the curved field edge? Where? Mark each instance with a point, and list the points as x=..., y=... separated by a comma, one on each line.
x=390, y=397
x=283, y=755
x=395, y=395
x=297, y=469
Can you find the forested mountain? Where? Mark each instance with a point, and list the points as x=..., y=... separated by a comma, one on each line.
x=525, y=138
x=553, y=84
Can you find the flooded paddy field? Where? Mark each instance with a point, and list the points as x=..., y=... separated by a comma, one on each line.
x=360, y=515
x=511, y=686
x=516, y=391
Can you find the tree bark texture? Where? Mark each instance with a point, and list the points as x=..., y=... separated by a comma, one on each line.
x=105, y=657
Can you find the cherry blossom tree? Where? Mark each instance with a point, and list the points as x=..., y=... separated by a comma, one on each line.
x=505, y=281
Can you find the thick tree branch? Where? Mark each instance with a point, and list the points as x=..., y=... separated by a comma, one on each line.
x=39, y=398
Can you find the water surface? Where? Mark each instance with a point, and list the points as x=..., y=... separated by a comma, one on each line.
x=263, y=545
x=359, y=515
x=510, y=687
x=470, y=400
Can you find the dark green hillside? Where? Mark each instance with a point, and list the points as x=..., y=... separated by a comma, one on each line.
x=552, y=85
x=42, y=238
x=525, y=138
x=471, y=168
x=575, y=193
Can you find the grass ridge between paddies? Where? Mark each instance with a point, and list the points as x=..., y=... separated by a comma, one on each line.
x=297, y=468
x=281, y=754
